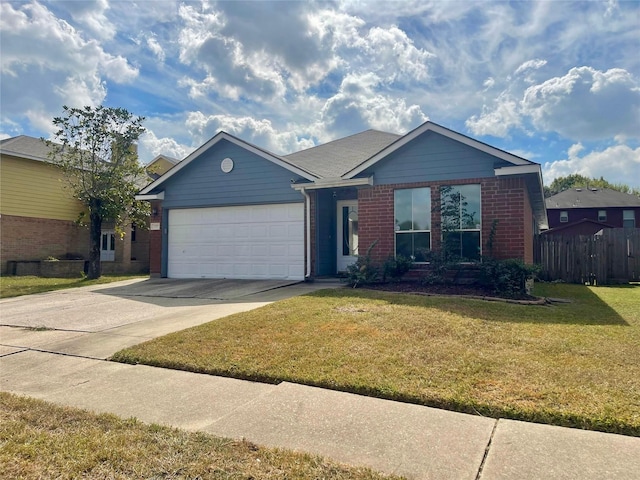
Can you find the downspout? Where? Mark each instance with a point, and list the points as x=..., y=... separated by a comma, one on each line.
x=307, y=201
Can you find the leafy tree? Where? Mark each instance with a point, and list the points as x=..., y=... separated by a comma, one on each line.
x=96, y=152
x=576, y=180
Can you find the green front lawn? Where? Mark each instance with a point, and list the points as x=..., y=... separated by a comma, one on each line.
x=575, y=364
x=11, y=286
x=40, y=440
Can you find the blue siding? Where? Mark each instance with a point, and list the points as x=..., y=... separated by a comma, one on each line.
x=253, y=180
x=433, y=157
x=326, y=233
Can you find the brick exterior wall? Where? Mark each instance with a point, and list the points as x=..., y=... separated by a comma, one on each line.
x=504, y=201
x=27, y=238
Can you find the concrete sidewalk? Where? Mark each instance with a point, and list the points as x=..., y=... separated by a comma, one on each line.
x=411, y=440
x=68, y=367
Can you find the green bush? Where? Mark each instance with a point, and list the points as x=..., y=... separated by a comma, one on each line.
x=443, y=268
x=394, y=268
x=363, y=271
x=506, y=277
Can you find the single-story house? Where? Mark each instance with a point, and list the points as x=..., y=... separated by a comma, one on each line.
x=578, y=211
x=234, y=210
x=38, y=216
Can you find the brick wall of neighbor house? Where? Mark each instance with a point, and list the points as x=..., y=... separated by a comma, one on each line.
x=503, y=200
x=614, y=215
x=155, y=240
x=26, y=238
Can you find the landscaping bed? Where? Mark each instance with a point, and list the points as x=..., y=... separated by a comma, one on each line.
x=417, y=287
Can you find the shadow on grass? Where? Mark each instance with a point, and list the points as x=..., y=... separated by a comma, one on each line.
x=583, y=307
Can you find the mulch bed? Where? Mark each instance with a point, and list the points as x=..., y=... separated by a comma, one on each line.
x=471, y=291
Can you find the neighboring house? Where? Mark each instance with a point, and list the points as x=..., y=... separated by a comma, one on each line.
x=38, y=215
x=160, y=165
x=580, y=211
x=234, y=210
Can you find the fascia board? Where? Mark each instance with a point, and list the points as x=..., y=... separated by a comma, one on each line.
x=150, y=196
x=333, y=183
x=433, y=127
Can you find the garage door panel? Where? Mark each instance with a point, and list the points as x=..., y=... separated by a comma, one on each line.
x=261, y=241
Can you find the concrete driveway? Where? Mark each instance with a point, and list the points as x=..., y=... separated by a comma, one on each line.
x=97, y=321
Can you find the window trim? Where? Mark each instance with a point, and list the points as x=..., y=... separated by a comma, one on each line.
x=397, y=231
x=632, y=219
x=564, y=218
x=602, y=215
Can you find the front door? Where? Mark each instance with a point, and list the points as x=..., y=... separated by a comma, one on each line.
x=108, y=246
x=347, y=230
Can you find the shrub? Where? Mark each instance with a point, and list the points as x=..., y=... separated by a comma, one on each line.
x=394, y=268
x=506, y=277
x=443, y=268
x=363, y=271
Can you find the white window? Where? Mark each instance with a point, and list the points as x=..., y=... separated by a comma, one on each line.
x=628, y=219
x=461, y=220
x=602, y=215
x=564, y=216
x=412, y=212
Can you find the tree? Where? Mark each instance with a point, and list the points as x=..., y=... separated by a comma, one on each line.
x=576, y=180
x=96, y=151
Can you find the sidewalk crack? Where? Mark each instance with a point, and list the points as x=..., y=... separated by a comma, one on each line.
x=486, y=450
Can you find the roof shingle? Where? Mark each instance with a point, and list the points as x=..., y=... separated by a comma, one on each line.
x=591, y=198
x=333, y=159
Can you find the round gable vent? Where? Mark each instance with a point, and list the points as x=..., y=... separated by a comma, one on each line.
x=226, y=165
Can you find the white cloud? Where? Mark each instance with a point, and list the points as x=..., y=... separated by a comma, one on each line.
x=91, y=14
x=150, y=146
x=260, y=132
x=496, y=121
x=616, y=164
x=46, y=63
x=358, y=106
x=156, y=48
x=584, y=104
x=530, y=65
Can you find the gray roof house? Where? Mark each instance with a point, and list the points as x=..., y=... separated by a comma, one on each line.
x=234, y=210
x=586, y=210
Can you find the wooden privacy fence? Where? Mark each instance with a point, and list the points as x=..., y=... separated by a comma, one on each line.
x=609, y=257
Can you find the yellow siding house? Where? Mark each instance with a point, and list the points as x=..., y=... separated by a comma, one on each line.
x=38, y=215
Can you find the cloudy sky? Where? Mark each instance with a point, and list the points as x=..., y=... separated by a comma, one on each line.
x=556, y=82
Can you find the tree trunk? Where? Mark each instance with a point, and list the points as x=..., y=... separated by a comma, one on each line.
x=95, y=234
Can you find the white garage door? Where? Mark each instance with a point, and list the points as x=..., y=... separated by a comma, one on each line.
x=252, y=242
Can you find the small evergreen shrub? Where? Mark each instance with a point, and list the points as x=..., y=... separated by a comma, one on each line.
x=394, y=268
x=363, y=271
x=506, y=277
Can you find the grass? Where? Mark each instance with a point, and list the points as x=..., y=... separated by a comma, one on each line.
x=13, y=286
x=574, y=364
x=40, y=440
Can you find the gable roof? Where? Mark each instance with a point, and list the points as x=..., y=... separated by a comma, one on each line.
x=154, y=174
x=572, y=226
x=434, y=127
x=591, y=198
x=24, y=146
x=241, y=143
x=334, y=159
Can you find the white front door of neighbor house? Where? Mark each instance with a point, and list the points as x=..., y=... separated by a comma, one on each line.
x=108, y=246
x=347, y=234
